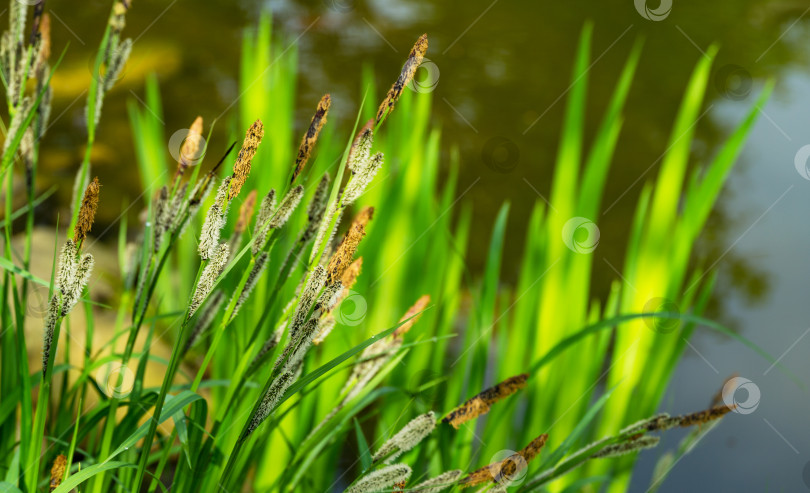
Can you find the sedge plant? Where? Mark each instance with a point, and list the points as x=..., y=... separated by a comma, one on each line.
x=314, y=298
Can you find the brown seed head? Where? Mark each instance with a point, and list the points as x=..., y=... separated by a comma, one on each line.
x=504, y=470
x=241, y=167
x=190, y=151
x=45, y=38
x=344, y=255
x=702, y=417
x=87, y=212
x=478, y=405
x=351, y=273
x=245, y=213
x=411, y=316
x=311, y=137
x=405, y=76
x=58, y=471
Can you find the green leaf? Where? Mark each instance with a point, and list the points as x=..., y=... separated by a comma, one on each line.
x=6, y=487
x=582, y=425
x=172, y=405
x=362, y=444
x=85, y=474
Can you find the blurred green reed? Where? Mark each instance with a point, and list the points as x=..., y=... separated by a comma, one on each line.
x=326, y=426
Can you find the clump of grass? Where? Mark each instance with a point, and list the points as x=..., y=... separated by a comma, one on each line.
x=253, y=297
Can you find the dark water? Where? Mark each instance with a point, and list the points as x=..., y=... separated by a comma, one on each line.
x=503, y=71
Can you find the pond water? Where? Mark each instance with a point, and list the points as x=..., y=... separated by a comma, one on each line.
x=504, y=71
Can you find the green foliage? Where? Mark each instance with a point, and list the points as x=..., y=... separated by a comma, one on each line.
x=238, y=420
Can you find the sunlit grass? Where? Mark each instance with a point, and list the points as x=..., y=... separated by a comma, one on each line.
x=249, y=402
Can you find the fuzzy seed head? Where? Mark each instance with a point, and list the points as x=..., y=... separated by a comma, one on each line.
x=297, y=352
x=83, y=270
x=209, y=276
x=406, y=438
x=321, y=237
x=269, y=345
x=262, y=226
x=214, y=222
x=175, y=207
x=382, y=479
x=441, y=482
x=115, y=65
x=360, y=151
x=318, y=203
x=324, y=329
x=315, y=210
x=272, y=341
x=16, y=124
x=360, y=180
x=26, y=151
x=163, y=216
x=252, y=280
x=619, y=449
x=270, y=400
x=66, y=271
x=44, y=108
x=287, y=207
x=51, y=319
x=205, y=320
x=306, y=300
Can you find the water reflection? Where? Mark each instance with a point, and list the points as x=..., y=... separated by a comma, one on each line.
x=504, y=72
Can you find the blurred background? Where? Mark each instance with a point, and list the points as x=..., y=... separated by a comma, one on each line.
x=499, y=72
